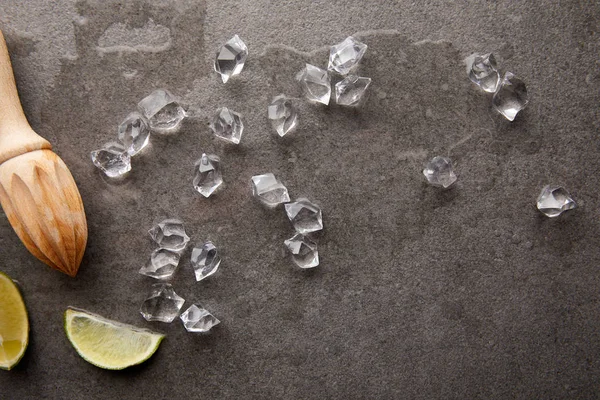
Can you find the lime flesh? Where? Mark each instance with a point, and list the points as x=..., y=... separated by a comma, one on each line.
x=109, y=344
x=14, y=324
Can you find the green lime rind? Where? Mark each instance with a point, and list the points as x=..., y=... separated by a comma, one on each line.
x=109, y=344
x=25, y=342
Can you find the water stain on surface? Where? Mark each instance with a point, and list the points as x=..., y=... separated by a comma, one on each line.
x=151, y=38
x=20, y=44
x=391, y=136
x=363, y=167
x=84, y=110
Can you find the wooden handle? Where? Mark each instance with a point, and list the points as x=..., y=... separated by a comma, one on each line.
x=16, y=136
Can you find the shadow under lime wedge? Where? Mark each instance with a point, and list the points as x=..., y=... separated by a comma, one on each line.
x=109, y=344
x=14, y=324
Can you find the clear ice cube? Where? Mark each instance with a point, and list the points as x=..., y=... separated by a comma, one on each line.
x=282, y=114
x=269, y=190
x=205, y=260
x=112, y=159
x=170, y=234
x=162, y=303
x=483, y=72
x=344, y=56
x=207, y=176
x=316, y=84
x=305, y=216
x=304, y=251
x=351, y=91
x=198, y=319
x=162, y=110
x=134, y=133
x=227, y=125
x=439, y=172
x=231, y=58
x=554, y=200
x=162, y=264
x=511, y=96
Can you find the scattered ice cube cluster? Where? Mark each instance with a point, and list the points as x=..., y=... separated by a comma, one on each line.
x=171, y=239
x=159, y=112
x=510, y=93
x=305, y=216
x=162, y=303
x=227, y=124
x=344, y=59
x=510, y=97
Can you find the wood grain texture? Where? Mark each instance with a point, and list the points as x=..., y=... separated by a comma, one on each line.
x=40, y=199
x=37, y=191
x=16, y=136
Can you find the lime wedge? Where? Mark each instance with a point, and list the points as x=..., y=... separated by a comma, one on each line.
x=14, y=325
x=109, y=344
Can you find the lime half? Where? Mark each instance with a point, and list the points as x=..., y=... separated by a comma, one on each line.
x=109, y=344
x=14, y=325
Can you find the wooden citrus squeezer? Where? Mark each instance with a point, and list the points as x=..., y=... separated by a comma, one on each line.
x=37, y=192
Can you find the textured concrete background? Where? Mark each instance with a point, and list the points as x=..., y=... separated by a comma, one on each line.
x=468, y=293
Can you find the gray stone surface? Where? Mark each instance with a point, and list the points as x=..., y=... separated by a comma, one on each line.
x=467, y=293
